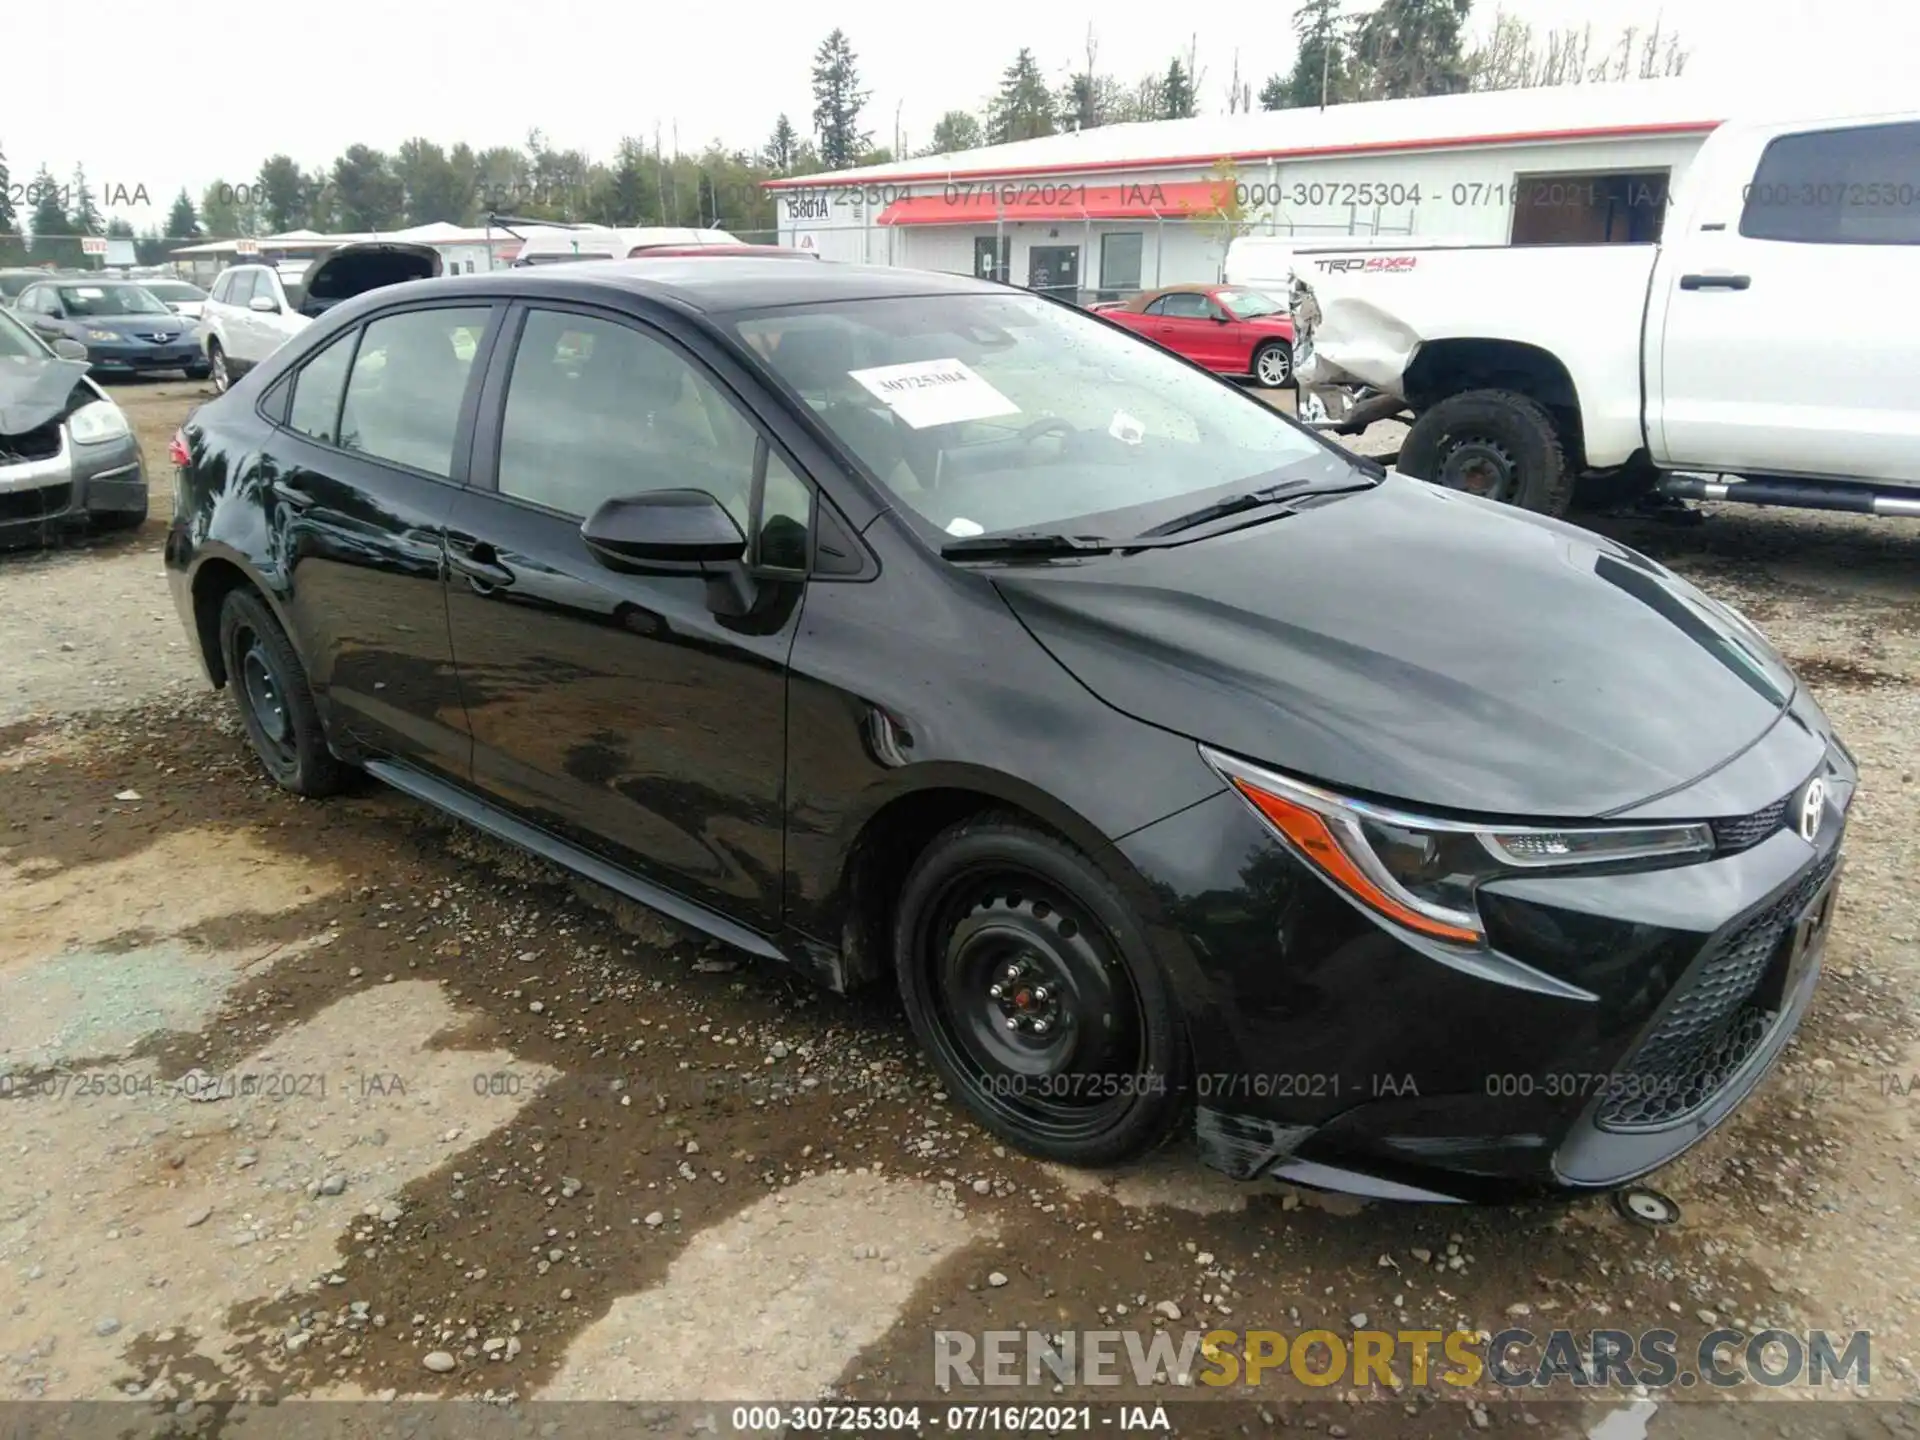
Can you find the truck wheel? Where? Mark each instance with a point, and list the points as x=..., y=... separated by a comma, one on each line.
x=1498, y=444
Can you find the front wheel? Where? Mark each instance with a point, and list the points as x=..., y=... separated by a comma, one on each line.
x=1497, y=444
x=217, y=367
x=276, y=706
x=1273, y=364
x=1030, y=984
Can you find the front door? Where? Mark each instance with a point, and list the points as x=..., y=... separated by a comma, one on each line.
x=621, y=711
x=1190, y=324
x=1788, y=340
x=360, y=500
x=1054, y=270
x=992, y=258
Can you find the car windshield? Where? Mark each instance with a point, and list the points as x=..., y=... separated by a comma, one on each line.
x=109, y=300
x=987, y=413
x=12, y=285
x=1250, y=304
x=17, y=342
x=174, y=290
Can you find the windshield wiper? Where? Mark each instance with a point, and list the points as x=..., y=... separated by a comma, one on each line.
x=1287, y=490
x=1027, y=542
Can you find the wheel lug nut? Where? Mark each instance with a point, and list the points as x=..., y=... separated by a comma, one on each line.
x=996, y=990
x=1039, y=992
x=1013, y=1022
x=1039, y=1027
x=1013, y=972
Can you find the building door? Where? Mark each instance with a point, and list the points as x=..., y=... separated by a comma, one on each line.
x=991, y=259
x=1054, y=270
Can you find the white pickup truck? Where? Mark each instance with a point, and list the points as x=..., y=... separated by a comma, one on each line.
x=1766, y=350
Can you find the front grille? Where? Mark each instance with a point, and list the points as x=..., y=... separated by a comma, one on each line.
x=1743, y=832
x=34, y=504
x=40, y=443
x=1712, y=1026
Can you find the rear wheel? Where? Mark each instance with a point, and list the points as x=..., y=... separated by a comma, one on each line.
x=1030, y=984
x=270, y=688
x=1273, y=364
x=217, y=367
x=1497, y=444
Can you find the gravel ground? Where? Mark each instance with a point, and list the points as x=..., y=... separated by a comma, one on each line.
x=344, y=1100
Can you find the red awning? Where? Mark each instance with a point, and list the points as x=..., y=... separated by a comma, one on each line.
x=975, y=202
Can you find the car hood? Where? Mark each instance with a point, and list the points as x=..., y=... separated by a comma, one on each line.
x=1419, y=645
x=169, y=324
x=34, y=391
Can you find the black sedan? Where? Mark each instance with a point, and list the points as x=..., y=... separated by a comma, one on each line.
x=127, y=330
x=1176, y=766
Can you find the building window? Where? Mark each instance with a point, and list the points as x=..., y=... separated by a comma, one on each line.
x=1590, y=208
x=1120, y=261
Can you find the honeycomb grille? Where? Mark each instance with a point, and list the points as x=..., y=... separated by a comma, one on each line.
x=1743, y=832
x=1712, y=1026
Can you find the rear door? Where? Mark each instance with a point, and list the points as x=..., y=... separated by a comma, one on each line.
x=620, y=711
x=1790, y=309
x=377, y=428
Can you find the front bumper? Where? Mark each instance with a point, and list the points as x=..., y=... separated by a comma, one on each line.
x=39, y=497
x=1613, y=1021
x=139, y=357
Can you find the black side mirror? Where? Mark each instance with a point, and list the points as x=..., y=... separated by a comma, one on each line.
x=674, y=532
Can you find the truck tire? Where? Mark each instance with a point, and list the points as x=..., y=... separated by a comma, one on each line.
x=1498, y=444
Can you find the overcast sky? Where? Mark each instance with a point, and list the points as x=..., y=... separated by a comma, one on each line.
x=309, y=81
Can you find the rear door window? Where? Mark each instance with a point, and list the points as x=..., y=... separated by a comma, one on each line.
x=408, y=380
x=1854, y=186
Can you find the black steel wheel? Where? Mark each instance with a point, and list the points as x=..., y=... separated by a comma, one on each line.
x=276, y=706
x=1497, y=444
x=1031, y=987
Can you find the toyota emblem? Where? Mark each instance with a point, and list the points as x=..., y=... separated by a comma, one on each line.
x=1812, y=802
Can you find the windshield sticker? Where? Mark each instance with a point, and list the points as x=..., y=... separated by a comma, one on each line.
x=960, y=525
x=934, y=392
x=1126, y=429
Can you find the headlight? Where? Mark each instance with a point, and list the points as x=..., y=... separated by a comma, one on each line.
x=1422, y=872
x=96, y=423
x=101, y=335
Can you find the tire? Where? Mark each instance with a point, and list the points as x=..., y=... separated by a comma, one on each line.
x=1273, y=364
x=1498, y=444
x=276, y=706
x=1000, y=922
x=217, y=367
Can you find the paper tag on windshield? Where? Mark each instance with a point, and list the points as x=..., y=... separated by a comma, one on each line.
x=1126, y=429
x=934, y=392
x=960, y=525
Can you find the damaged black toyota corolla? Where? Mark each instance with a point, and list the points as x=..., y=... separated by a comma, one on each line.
x=1176, y=766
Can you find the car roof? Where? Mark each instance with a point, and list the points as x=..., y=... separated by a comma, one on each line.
x=712, y=284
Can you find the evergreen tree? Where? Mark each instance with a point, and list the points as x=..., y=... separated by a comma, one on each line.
x=1024, y=107
x=182, y=222
x=1409, y=48
x=1176, y=93
x=953, y=132
x=837, y=99
x=86, y=215
x=783, y=146
x=9, y=221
